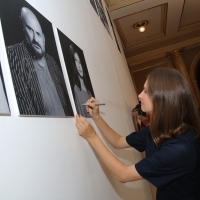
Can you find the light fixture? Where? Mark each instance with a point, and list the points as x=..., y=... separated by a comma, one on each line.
x=140, y=25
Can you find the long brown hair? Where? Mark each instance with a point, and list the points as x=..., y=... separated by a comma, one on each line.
x=174, y=109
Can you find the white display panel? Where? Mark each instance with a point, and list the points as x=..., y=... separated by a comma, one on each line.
x=45, y=158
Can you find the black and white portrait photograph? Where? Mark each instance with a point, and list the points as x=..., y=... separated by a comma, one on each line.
x=77, y=72
x=35, y=67
x=4, y=107
x=93, y=3
x=102, y=14
x=99, y=8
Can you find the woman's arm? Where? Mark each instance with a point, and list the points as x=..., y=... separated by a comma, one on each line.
x=115, y=139
x=121, y=171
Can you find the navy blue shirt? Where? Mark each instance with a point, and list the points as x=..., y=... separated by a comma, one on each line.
x=173, y=168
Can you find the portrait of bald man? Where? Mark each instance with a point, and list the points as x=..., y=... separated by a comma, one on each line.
x=38, y=80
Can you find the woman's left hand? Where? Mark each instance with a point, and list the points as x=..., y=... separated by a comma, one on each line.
x=144, y=120
x=85, y=129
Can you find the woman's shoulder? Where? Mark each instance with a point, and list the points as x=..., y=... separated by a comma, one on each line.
x=185, y=142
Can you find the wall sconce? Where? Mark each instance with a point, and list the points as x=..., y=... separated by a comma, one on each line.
x=141, y=25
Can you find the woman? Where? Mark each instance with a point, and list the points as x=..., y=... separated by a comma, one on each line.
x=171, y=142
x=81, y=89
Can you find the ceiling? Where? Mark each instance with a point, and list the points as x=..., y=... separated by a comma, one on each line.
x=172, y=24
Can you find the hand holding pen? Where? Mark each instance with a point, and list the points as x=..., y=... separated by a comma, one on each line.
x=92, y=106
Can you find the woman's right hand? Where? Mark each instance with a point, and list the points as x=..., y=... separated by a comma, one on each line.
x=92, y=109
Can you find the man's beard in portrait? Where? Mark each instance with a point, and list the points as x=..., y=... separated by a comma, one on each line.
x=36, y=49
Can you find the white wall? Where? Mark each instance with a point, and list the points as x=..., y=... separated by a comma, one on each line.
x=45, y=158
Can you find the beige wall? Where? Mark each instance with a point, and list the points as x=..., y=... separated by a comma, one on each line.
x=45, y=158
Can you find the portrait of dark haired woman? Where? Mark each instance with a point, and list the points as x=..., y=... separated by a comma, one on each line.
x=81, y=88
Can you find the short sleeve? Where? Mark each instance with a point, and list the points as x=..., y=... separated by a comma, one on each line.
x=172, y=160
x=138, y=139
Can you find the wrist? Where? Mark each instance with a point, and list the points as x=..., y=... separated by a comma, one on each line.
x=96, y=117
x=92, y=138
